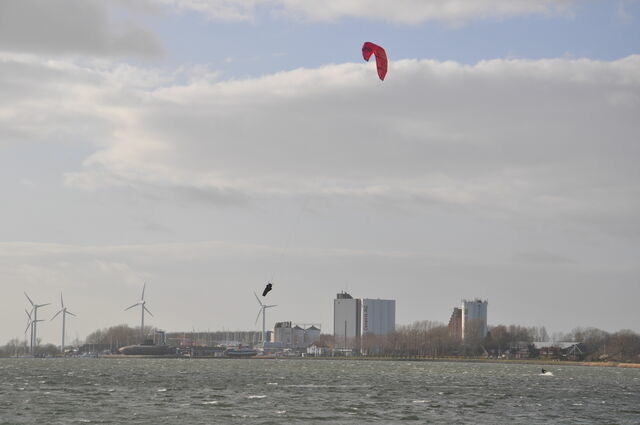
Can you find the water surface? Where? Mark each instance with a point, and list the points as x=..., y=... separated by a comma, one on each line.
x=191, y=391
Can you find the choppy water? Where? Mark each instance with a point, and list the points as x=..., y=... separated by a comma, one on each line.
x=177, y=391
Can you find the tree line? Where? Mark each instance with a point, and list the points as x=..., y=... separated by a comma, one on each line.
x=420, y=339
x=432, y=339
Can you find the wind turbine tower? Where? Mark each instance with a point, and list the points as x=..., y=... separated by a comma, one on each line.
x=143, y=308
x=263, y=308
x=29, y=327
x=34, y=321
x=64, y=312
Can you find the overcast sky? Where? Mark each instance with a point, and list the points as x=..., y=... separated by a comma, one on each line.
x=208, y=146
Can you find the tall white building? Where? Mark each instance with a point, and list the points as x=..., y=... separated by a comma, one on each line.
x=474, y=318
x=378, y=316
x=346, y=321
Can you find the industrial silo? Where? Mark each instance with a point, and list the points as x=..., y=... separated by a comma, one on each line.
x=311, y=335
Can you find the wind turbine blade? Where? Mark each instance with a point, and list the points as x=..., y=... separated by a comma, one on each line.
x=25, y=294
x=61, y=301
x=28, y=314
x=42, y=305
x=258, y=316
x=145, y=307
x=136, y=304
x=269, y=306
x=143, y=287
x=56, y=315
x=27, y=328
x=68, y=312
x=257, y=298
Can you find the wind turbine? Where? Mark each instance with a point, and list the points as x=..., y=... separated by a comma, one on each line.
x=64, y=312
x=29, y=326
x=31, y=323
x=263, y=307
x=143, y=307
x=34, y=321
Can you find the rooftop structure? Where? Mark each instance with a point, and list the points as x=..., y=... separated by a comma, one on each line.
x=344, y=296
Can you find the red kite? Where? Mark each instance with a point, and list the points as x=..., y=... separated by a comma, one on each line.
x=369, y=49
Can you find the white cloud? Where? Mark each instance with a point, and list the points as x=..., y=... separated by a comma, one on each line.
x=397, y=11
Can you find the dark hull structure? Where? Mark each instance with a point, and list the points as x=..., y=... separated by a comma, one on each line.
x=151, y=350
x=241, y=354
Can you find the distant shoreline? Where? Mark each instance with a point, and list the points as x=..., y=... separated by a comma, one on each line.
x=538, y=362
x=542, y=362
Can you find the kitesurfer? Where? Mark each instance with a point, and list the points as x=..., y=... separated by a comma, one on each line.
x=267, y=289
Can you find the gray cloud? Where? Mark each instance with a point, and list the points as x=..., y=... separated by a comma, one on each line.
x=72, y=27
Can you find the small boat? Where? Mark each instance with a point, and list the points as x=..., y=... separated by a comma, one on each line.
x=241, y=353
x=147, y=350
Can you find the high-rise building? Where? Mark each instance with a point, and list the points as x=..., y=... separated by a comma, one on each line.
x=455, y=323
x=354, y=318
x=346, y=321
x=474, y=318
x=378, y=316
